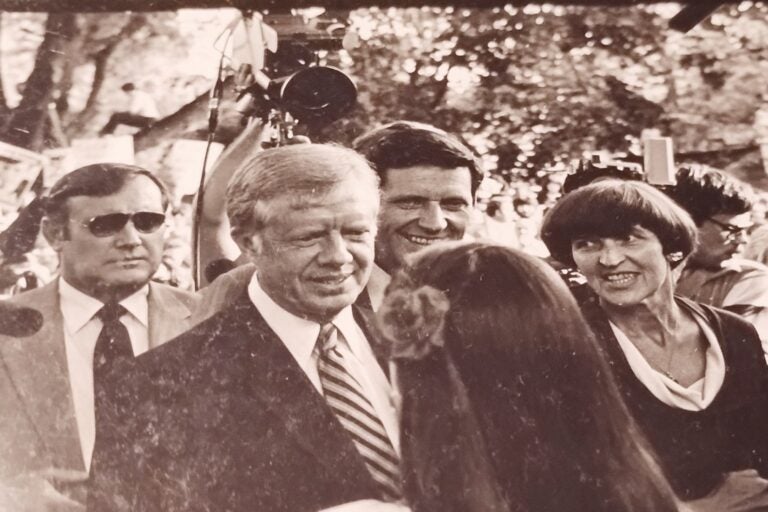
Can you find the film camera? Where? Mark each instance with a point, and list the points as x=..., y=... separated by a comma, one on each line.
x=278, y=71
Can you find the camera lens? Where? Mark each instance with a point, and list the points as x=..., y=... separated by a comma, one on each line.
x=319, y=92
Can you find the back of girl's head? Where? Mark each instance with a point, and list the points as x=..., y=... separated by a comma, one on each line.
x=551, y=421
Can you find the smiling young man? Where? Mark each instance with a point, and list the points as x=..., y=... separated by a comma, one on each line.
x=106, y=222
x=428, y=184
x=715, y=274
x=277, y=402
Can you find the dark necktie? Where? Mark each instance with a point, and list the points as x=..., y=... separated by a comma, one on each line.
x=111, y=358
x=347, y=399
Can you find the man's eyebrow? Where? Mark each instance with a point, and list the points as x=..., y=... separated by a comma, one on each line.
x=409, y=197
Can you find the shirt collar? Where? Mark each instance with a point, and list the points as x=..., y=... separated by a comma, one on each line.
x=377, y=285
x=299, y=335
x=78, y=308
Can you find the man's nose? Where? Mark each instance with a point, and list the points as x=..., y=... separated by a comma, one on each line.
x=610, y=255
x=741, y=237
x=128, y=236
x=335, y=251
x=432, y=217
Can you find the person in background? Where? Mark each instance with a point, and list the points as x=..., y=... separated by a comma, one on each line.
x=141, y=111
x=499, y=221
x=277, y=402
x=527, y=225
x=693, y=376
x=589, y=172
x=507, y=402
x=716, y=274
x=106, y=222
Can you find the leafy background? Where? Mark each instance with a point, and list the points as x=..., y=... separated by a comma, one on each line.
x=530, y=88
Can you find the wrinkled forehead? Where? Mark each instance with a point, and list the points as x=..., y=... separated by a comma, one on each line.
x=344, y=201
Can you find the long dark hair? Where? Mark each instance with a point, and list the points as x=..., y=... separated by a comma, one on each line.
x=518, y=410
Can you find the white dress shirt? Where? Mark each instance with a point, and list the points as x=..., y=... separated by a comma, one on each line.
x=300, y=337
x=81, y=330
x=695, y=397
x=377, y=286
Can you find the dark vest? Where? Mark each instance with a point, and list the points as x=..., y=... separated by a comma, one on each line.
x=696, y=448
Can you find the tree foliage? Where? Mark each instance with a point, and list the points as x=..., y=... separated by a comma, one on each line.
x=531, y=88
x=535, y=87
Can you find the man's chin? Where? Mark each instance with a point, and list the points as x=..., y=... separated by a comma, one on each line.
x=127, y=280
x=325, y=308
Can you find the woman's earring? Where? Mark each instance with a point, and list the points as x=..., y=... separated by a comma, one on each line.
x=674, y=257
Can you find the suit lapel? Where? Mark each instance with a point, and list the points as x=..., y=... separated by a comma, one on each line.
x=276, y=380
x=168, y=316
x=38, y=368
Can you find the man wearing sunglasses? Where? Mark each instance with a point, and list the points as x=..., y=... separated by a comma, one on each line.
x=715, y=274
x=107, y=223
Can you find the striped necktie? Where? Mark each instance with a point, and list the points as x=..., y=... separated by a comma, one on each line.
x=347, y=399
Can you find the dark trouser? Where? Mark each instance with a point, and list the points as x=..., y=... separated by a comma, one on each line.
x=127, y=119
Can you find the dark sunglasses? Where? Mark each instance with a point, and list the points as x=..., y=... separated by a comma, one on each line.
x=111, y=223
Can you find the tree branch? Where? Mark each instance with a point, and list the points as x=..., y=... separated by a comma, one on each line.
x=100, y=60
x=27, y=123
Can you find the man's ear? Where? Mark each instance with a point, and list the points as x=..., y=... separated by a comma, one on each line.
x=249, y=243
x=54, y=233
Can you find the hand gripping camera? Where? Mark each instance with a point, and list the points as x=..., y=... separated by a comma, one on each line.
x=278, y=72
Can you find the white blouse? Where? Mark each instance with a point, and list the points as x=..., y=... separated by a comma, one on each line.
x=695, y=397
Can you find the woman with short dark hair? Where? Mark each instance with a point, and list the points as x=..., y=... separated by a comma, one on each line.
x=692, y=375
x=508, y=404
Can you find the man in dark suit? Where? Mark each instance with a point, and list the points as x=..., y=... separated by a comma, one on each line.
x=277, y=402
x=106, y=222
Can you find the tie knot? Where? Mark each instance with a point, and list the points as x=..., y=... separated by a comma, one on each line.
x=327, y=338
x=111, y=312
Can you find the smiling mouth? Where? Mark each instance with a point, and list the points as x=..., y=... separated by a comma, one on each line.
x=420, y=240
x=620, y=278
x=331, y=280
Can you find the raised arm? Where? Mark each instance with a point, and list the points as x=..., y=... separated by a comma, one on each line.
x=215, y=242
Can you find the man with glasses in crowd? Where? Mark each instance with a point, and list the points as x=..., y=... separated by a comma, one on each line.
x=107, y=223
x=721, y=207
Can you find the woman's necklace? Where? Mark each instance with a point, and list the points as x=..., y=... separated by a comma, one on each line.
x=666, y=371
x=671, y=348
x=673, y=352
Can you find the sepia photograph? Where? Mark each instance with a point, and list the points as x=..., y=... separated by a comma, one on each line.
x=383, y=256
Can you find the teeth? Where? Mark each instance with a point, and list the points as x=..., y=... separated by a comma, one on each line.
x=420, y=241
x=622, y=278
x=332, y=280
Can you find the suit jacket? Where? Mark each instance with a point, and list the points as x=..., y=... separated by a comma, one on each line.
x=38, y=429
x=227, y=420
